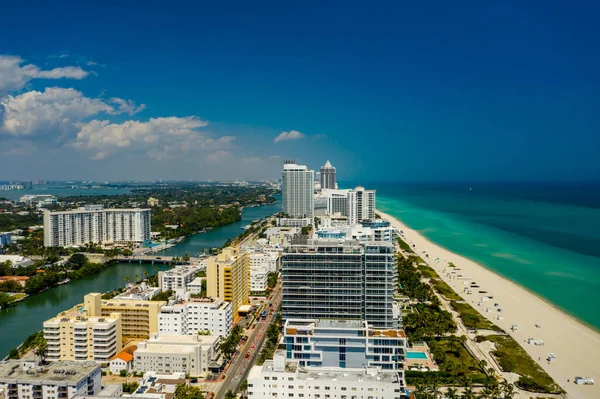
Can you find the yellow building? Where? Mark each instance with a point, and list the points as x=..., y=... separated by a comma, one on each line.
x=227, y=277
x=74, y=336
x=139, y=318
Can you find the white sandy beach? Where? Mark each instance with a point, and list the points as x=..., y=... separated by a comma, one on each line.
x=576, y=346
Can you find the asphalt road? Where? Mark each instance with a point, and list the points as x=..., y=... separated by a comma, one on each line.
x=240, y=366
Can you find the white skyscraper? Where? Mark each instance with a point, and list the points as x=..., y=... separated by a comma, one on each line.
x=298, y=190
x=357, y=204
x=94, y=224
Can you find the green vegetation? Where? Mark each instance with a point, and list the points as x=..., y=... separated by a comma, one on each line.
x=404, y=246
x=442, y=378
x=272, y=280
x=34, y=341
x=10, y=286
x=191, y=219
x=233, y=339
x=230, y=394
x=162, y=296
x=453, y=358
x=130, y=387
x=445, y=290
x=513, y=358
x=188, y=392
x=306, y=230
x=425, y=270
x=272, y=339
x=5, y=300
x=471, y=318
x=428, y=321
x=410, y=282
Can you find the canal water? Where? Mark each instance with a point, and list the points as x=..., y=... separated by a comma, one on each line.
x=27, y=317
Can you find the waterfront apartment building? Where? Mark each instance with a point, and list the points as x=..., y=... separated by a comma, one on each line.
x=177, y=277
x=382, y=230
x=79, y=338
x=327, y=176
x=284, y=378
x=197, y=315
x=333, y=279
x=297, y=190
x=58, y=380
x=227, y=277
x=139, y=318
x=175, y=353
x=94, y=224
x=344, y=343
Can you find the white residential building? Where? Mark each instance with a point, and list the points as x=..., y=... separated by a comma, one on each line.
x=141, y=292
x=357, y=204
x=177, y=277
x=81, y=338
x=176, y=353
x=281, y=378
x=196, y=315
x=297, y=190
x=94, y=224
x=195, y=286
x=261, y=264
x=58, y=380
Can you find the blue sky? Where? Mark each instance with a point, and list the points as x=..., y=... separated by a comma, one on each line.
x=386, y=91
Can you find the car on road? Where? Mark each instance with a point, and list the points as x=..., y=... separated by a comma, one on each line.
x=247, y=355
x=252, y=347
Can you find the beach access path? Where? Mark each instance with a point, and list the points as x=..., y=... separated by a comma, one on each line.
x=576, y=346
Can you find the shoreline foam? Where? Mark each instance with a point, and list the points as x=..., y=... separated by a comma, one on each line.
x=576, y=345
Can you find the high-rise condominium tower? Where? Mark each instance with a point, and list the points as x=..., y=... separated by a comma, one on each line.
x=298, y=190
x=347, y=280
x=327, y=176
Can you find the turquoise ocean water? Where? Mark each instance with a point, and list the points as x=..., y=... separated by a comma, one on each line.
x=545, y=237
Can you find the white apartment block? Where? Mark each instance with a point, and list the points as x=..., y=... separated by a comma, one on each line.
x=281, y=378
x=357, y=204
x=175, y=353
x=94, y=224
x=59, y=380
x=195, y=286
x=196, y=315
x=298, y=190
x=177, y=277
x=261, y=264
x=80, y=338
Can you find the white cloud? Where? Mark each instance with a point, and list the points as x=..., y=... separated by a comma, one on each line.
x=158, y=138
x=291, y=135
x=251, y=160
x=14, y=76
x=54, y=111
x=217, y=157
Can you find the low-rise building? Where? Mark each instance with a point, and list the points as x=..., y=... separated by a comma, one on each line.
x=281, y=378
x=194, y=287
x=16, y=260
x=175, y=353
x=122, y=360
x=141, y=292
x=176, y=278
x=197, y=315
x=58, y=380
x=22, y=280
x=74, y=336
x=344, y=343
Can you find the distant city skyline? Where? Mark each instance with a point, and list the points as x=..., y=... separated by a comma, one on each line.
x=406, y=92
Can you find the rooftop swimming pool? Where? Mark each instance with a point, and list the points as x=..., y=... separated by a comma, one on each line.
x=416, y=355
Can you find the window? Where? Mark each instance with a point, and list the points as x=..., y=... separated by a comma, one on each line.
x=343, y=388
x=327, y=388
x=267, y=378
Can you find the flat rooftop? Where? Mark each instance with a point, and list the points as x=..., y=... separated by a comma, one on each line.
x=59, y=373
x=333, y=373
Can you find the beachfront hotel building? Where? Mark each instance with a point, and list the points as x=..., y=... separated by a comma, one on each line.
x=139, y=318
x=58, y=380
x=196, y=315
x=356, y=204
x=284, y=378
x=175, y=353
x=297, y=190
x=261, y=264
x=327, y=176
x=71, y=336
x=94, y=224
x=344, y=343
x=227, y=277
x=340, y=279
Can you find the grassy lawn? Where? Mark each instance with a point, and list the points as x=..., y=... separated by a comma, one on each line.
x=513, y=358
x=404, y=246
x=445, y=290
x=427, y=271
x=471, y=318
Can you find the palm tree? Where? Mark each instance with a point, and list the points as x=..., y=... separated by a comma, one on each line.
x=468, y=391
x=452, y=393
x=508, y=389
x=421, y=391
x=146, y=274
x=137, y=278
x=435, y=390
x=127, y=279
x=485, y=393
